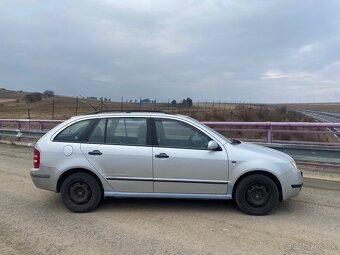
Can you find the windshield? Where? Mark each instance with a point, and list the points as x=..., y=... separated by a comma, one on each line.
x=212, y=130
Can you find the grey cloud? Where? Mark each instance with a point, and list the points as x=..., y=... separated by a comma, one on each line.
x=208, y=50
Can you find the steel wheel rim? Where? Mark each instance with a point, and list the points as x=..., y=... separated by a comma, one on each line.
x=257, y=195
x=80, y=193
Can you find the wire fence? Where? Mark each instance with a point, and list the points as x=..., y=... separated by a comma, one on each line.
x=63, y=108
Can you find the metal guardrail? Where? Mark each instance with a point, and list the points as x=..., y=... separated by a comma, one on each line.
x=271, y=128
x=266, y=128
x=300, y=150
x=28, y=123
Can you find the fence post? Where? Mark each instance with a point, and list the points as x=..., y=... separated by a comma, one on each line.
x=121, y=104
x=269, y=133
x=77, y=106
x=53, y=110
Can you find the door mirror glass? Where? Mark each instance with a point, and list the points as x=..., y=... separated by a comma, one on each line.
x=213, y=146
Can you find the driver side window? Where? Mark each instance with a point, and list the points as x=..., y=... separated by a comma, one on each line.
x=177, y=134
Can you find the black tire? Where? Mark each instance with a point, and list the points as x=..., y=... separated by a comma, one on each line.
x=81, y=192
x=256, y=194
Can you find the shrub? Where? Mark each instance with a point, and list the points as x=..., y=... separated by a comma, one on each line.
x=49, y=93
x=33, y=97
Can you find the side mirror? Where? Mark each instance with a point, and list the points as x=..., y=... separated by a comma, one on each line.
x=213, y=146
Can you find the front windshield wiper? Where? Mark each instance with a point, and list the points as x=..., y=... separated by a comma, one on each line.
x=234, y=141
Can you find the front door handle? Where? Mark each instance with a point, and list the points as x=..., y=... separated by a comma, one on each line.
x=95, y=152
x=162, y=155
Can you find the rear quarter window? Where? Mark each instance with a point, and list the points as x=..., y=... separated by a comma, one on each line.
x=74, y=133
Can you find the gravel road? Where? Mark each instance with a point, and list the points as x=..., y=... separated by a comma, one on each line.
x=34, y=221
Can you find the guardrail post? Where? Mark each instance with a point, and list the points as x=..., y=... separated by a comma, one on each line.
x=18, y=124
x=41, y=125
x=269, y=133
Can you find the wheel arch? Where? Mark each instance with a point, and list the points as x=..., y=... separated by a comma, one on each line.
x=263, y=172
x=69, y=172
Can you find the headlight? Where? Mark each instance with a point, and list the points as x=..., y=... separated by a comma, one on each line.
x=293, y=164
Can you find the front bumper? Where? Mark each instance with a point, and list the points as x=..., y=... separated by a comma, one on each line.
x=292, y=183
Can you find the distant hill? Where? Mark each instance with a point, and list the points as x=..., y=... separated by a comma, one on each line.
x=13, y=105
x=11, y=94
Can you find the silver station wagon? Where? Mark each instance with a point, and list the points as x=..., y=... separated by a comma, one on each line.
x=158, y=155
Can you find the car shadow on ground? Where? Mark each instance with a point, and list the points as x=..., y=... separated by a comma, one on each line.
x=167, y=204
x=122, y=205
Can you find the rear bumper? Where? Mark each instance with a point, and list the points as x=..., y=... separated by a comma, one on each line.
x=44, y=178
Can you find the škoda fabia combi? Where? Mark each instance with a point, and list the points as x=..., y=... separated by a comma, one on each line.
x=158, y=155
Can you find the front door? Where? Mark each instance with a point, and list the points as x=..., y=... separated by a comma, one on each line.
x=183, y=164
x=118, y=148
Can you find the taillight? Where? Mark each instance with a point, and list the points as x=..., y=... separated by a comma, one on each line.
x=36, y=158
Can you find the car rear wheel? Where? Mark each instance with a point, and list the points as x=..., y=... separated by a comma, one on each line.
x=81, y=192
x=256, y=194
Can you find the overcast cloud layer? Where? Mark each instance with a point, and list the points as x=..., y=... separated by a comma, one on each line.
x=253, y=51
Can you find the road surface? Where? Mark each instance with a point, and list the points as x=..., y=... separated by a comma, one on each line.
x=34, y=221
x=326, y=117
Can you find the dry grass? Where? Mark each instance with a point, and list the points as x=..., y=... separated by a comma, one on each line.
x=13, y=107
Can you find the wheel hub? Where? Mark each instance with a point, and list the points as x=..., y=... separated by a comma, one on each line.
x=257, y=195
x=80, y=192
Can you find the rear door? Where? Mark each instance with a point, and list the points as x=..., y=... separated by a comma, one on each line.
x=120, y=150
x=183, y=164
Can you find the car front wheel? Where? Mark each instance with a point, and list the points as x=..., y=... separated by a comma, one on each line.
x=81, y=192
x=256, y=194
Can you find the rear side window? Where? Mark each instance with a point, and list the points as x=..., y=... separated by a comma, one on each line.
x=126, y=131
x=73, y=133
x=98, y=133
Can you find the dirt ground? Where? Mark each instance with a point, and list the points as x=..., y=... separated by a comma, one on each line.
x=34, y=221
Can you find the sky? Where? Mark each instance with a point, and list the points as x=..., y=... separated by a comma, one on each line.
x=223, y=50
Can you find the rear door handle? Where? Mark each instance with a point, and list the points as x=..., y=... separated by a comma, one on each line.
x=95, y=152
x=162, y=155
